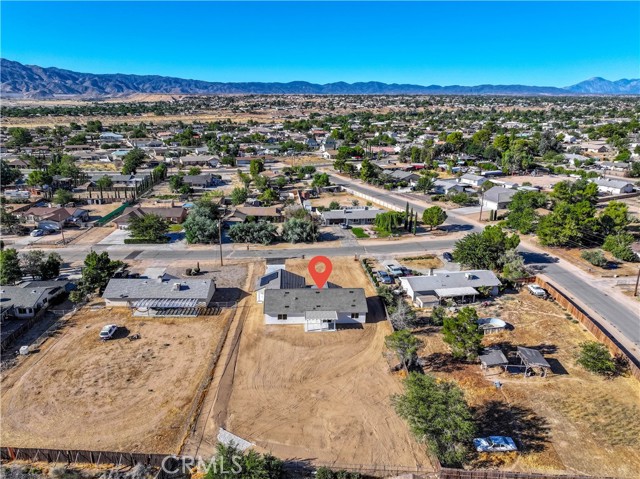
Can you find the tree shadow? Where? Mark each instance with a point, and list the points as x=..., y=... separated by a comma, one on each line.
x=497, y=418
x=455, y=228
x=440, y=362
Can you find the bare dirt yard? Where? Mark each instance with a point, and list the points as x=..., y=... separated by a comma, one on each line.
x=323, y=397
x=78, y=392
x=571, y=421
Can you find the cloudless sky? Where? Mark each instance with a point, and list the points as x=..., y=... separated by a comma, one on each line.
x=533, y=43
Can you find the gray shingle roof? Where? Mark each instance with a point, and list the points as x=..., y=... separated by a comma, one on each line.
x=280, y=279
x=21, y=297
x=499, y=194
x=532, y=357
x=452, y=279
x=140, y=288
x=299, y=301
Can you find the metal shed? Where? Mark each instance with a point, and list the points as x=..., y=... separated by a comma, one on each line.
x=532, y=358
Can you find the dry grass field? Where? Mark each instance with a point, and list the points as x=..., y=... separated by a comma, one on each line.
x=570, y=421
x=78, y=392
x=320, y=396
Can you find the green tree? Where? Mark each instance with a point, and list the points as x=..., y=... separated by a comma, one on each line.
x=595, y=257
x=98, y=270
x=334, y=205
x=259, y=232
x=514, y=267
x=132, y=161
x=194, y=171
x=104, y=182
x=150, y=227
x=297, y=230
x=176, y=183
x=231, y=462
x=569, y=224
x=576, y=192
x=10, y=270
x=522, y=211
x=405, y=345
x=39, y=178
x=256, y=167
x=619, y=245
x=485, y=250
x=31, y=262
x=239, y=195
x=388, y=221
x=437, y=414
x=50, y=268
x=425, y=182
x=8, y=174
x=8, y=221
x=62, y=196
x=434, y=216
x=595, y=357
x=320, y=180
x=202, y=224
x=614, y=217
x=438, y=315
x=20, y=137
x=269, y=196
x=462, y=333
x=368, y=170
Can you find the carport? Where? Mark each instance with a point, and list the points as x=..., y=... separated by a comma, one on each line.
x=532, y=358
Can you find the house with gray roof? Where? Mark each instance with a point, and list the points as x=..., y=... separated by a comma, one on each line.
x=25, y=300
x=350, y=216
x=441, y=285
x=160, y=296
x=609, y=186
x=497, y=198
x=317, y=309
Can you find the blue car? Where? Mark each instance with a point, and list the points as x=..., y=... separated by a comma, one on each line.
x=495, y=444
x=385, y=278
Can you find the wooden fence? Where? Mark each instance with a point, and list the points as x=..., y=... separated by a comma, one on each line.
x=445, y=473
x=599, y=331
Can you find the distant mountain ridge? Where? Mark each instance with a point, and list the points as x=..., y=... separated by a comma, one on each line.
x=31, y=81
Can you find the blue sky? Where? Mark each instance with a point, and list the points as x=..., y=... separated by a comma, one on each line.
x=534, y=43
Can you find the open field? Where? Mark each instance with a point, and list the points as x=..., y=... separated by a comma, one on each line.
x=78, y=392
x=323, y=396
x=570, y=421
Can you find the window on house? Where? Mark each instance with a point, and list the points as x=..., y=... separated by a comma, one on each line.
x=355, y=315
x=282, y=316
x=21, y=311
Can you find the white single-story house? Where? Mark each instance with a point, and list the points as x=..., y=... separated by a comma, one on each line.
x=24, y=300
x=431, y=290
x=279, y=279
x=159, y=296
x=613, y=187
x=497, y=198
x=350, y=216
x=472, y=180
x=445, y=187
x=317, y=309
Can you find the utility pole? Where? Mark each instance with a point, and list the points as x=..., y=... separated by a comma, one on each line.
x=220, y=240
x=635, y=292
x=481, y=202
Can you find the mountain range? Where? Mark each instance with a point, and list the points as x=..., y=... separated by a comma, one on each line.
x=31, y=81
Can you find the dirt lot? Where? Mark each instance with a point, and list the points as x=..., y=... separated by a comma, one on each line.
x=570, y=421
x=344, y=199
x=320, y=396
x=421, y=263
x=80, y=393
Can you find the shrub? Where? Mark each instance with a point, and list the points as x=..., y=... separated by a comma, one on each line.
x=163, y=240
x=595, y=257
x=595, y=357
x=619, y=246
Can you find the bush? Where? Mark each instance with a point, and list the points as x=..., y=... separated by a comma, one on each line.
x=595, y=257
x=595, y=357
x=619, y=246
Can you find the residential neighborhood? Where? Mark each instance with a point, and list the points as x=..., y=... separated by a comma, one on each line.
x=232, y=258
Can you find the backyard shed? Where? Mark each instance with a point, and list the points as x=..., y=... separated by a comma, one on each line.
x=493, y=358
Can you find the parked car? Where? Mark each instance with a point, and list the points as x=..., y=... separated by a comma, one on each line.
x=495, y=444
x=344, y=226
x=395, y=270
x=536, y=290
x=108, y=331
x=36, y=233
x=384, y=277
x=447, y=256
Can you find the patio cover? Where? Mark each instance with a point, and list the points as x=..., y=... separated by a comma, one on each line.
x=319, y=316
x=493, y=358
x=456, y=292
x=165, y=303
x=532, y=357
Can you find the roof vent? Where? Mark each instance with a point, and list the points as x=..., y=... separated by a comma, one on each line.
x=468, y=275
x=176, y=287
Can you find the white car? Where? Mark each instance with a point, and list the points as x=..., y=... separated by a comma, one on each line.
x=536, y=290
x=495, y=444
x=395, y=270
x=36, y=233
x=108, y=331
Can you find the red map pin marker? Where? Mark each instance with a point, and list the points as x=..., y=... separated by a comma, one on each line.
x=320, y=277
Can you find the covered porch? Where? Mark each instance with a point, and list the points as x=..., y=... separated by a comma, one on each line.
x=320, y=321
x=465, y=294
